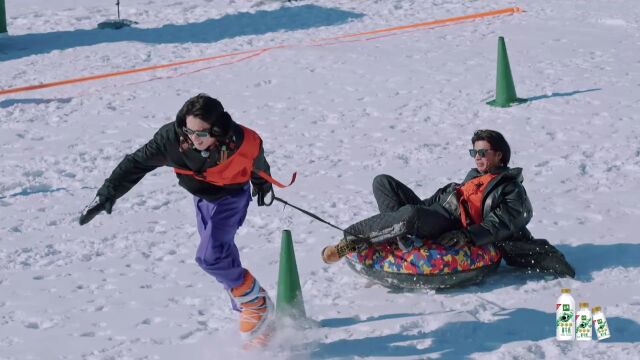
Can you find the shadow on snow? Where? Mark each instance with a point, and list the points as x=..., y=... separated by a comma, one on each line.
x=343, y=322
x=458, y=340
x=571, y=93
x=589, y=258
x=208, y=31
x=32, y=101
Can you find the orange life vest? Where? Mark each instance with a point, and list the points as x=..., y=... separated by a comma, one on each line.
x=237, y=168
x=470, y=199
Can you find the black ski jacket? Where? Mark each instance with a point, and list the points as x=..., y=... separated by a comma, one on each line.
x=506, y=213
x=169, y=147
x=505, y=206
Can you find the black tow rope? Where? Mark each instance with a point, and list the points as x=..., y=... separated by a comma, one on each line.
x=309, y=213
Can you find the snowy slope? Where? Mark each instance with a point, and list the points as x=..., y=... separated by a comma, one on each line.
x=339, y=112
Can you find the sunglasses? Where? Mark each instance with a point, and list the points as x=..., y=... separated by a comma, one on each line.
x=198, y=133
x=481, y=152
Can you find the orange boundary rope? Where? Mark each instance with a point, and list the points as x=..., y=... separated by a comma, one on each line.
x=504, y=11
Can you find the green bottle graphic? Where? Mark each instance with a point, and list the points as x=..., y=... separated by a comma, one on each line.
x=565, y=310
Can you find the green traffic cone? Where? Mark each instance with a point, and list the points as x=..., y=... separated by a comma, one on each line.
x=505, y=89
x=289, y=303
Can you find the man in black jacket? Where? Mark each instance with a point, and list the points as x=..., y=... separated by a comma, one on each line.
x=214, y=159
x=489, y=206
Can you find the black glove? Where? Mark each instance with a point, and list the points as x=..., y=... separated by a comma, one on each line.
x=261, y=193
x=455, y=238
x=98, y=204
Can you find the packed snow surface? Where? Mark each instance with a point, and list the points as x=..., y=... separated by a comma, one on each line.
x=338, y=112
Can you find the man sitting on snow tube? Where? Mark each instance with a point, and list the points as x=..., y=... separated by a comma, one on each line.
x=489, y=207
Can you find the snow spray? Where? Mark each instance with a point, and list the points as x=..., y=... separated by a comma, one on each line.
x=565, y=322
x=583, y=323
x=600, y=324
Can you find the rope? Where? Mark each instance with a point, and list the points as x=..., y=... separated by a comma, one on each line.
x=309, y=213
x=505, y=11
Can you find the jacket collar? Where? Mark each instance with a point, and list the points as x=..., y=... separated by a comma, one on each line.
x=503, y=171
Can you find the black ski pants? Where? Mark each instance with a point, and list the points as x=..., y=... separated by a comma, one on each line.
x=402, y=213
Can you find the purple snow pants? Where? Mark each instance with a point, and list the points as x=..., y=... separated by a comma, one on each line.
x=218, y=222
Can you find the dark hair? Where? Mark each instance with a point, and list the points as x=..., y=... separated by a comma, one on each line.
x=207, y=109
x=497, y=142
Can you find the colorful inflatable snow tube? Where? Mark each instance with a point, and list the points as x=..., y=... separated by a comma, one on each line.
x=431, y=266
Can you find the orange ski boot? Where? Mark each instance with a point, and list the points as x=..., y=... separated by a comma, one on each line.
x=256, y=311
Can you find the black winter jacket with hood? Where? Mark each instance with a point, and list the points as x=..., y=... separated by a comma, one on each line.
x=170, y=147
x=506, y=208
x=506, y=213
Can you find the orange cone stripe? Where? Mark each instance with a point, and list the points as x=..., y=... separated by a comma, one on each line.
x=504, y=11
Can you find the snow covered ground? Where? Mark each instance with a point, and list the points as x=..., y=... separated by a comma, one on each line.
x=339, y=112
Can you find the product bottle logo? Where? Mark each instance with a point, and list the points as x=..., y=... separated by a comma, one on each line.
x=601, y=328
x=564, y=323
x=583, y=326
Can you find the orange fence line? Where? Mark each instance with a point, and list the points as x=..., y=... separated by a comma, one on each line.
x=126, y=72
x=504, y=11
x=230, y=62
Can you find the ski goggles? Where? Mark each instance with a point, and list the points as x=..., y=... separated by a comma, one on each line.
x=481, y=152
